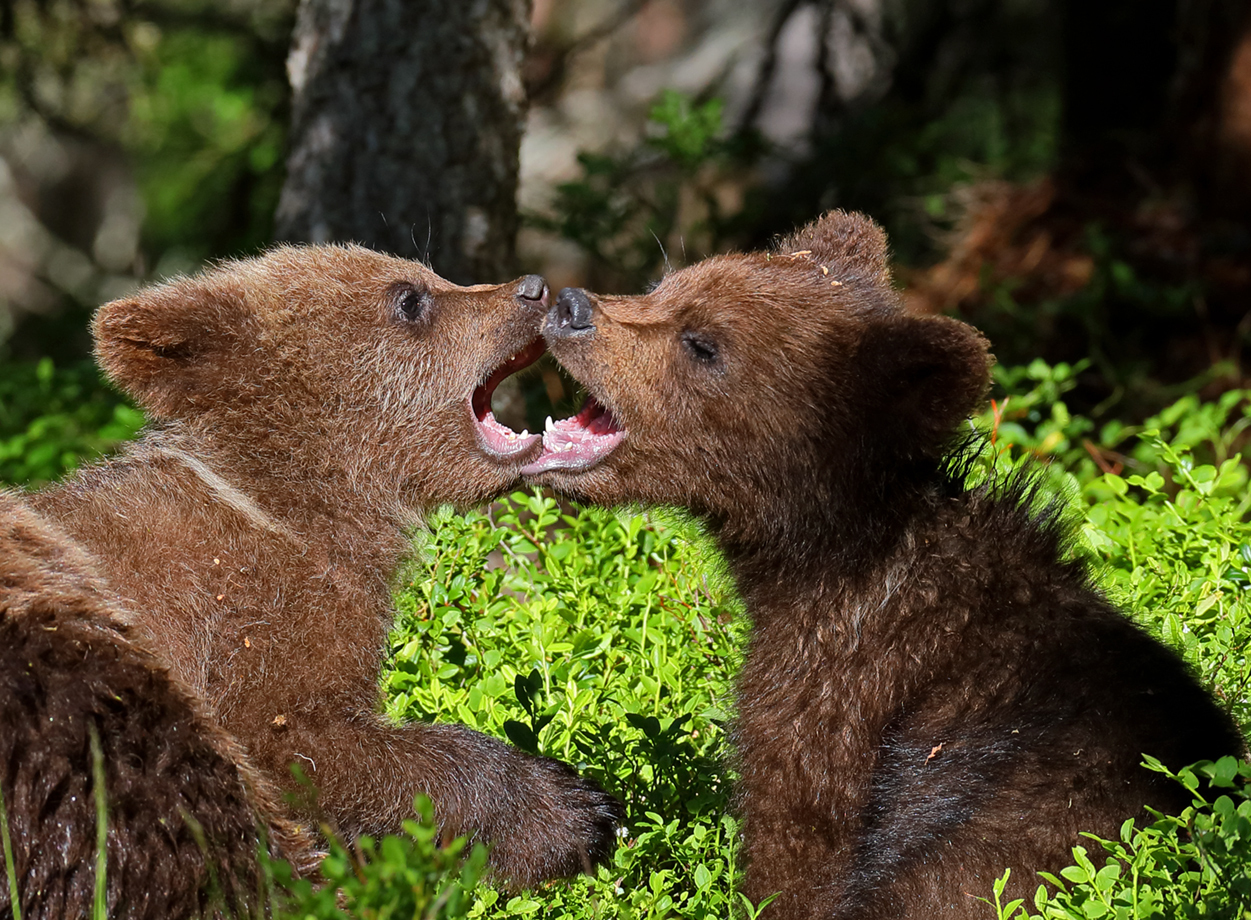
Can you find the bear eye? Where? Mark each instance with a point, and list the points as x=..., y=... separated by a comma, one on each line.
x=412, y=303
x=702, y=347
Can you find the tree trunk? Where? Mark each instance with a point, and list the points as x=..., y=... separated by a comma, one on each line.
x=407, y=117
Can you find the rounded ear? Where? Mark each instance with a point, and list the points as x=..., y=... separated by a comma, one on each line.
x=845, y=241
x=171, y=348
x=925, y=375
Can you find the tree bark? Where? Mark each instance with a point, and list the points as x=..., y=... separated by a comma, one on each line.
x=407, y=118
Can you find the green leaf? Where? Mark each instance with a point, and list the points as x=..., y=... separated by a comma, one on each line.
x=702, y=877
x=1224, y=772
x=1076, y=874
x=521, y=735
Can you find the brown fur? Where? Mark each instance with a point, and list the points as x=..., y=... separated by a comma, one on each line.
x=933, y=690
x=68, y=665
x=304, y=422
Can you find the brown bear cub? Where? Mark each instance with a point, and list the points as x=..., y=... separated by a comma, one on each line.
x=311, y=403
x=182, y=803
x=934, y=690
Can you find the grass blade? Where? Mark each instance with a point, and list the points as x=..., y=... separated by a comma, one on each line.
x=100, y=910
x=9, y=863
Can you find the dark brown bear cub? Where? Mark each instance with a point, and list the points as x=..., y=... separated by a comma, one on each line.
x=934, y=690
x=311, y=404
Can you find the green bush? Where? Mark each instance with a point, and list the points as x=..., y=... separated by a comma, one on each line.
x=53, y=418
x=1164, y=515
x=410, y=875
x=607, y=641
x=1165, y=524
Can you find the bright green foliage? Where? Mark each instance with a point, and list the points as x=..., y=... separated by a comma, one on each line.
x=604, y=640
x=1166, y=523
x=411, y=876
x=53, y=418
x=206, y=126
x=1180, y=559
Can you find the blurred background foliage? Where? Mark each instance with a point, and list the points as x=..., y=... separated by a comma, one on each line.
x=1071, y=177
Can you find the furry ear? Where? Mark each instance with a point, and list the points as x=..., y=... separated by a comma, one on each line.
x=850, y=241
x=927, y=374
x=171, y=347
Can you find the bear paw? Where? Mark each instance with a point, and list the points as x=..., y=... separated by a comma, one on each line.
x=562, y=824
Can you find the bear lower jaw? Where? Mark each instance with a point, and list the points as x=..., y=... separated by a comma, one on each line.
x=578, y=443
x=499, y=441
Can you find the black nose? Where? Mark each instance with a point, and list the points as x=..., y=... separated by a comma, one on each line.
x=532, y=287
x=572, y=313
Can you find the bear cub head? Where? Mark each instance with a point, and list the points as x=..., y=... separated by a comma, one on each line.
x=333, y=367
x=771, y=392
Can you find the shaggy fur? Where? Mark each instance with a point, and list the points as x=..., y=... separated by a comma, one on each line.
x=183, y=805
x=933, y=689
x=311, y=403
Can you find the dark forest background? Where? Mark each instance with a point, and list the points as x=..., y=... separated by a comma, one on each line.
x=1074, y=178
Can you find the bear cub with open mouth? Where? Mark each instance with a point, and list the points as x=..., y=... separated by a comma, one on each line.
x=309, y=405
x=933, y=690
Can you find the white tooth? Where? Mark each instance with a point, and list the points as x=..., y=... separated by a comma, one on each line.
x=525, y=433
x=549, y=425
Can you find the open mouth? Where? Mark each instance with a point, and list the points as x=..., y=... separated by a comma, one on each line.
x=574, y=444
x=497, y=439
x=579, y=442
